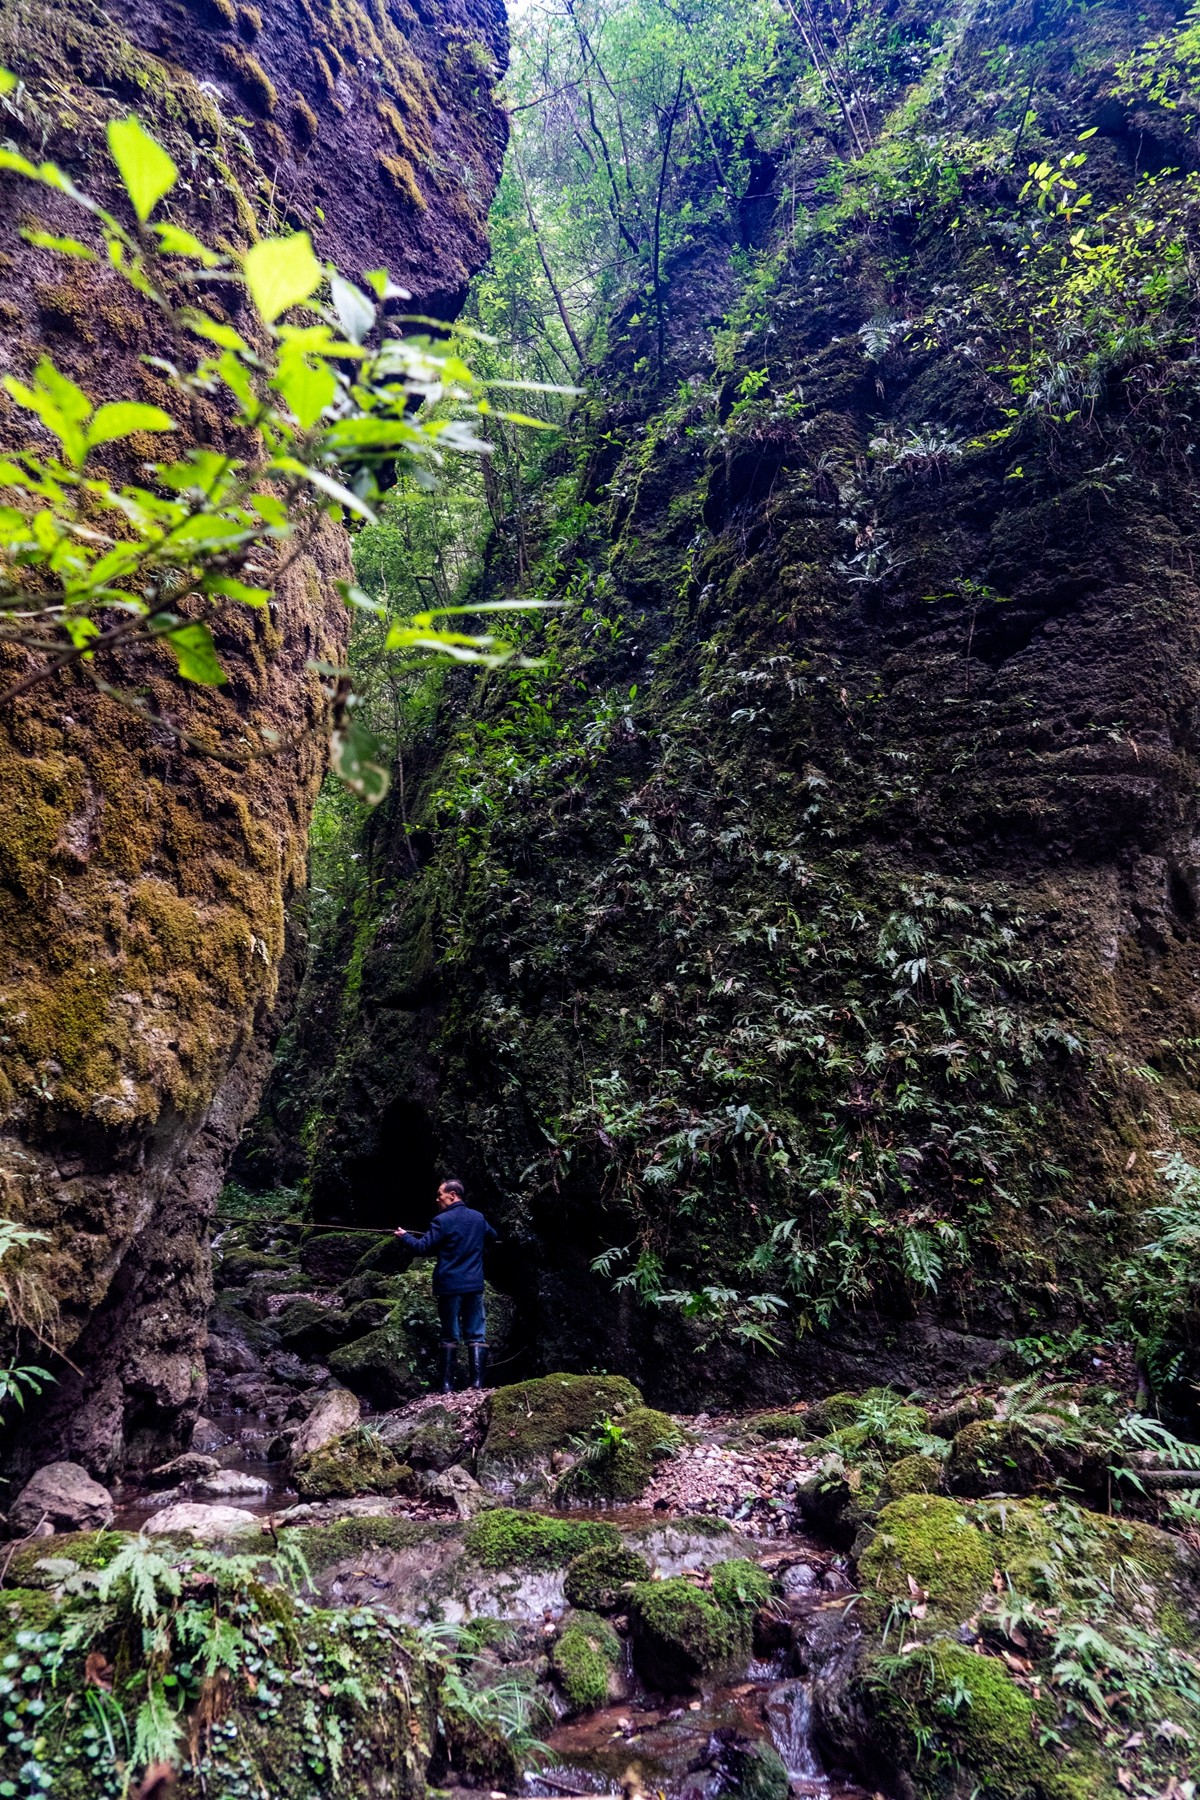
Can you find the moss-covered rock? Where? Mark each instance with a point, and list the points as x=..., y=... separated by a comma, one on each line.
x=584, y=1657
x=355, y=1463
x=506, y=1539
x=749, y=1769
x=830, y=1414
x=943, y=1706
x=311, y=1330
x=619, y=1465
x=739, y=1586
x=936, y=1543
x=911, y=1475
x=533, y=1420
x=782, y=1425
x=680, y=1632
x=599, y=1579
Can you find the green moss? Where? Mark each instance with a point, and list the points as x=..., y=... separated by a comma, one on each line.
x=680, y=1633
x=624, y=1465
x=305, y=126
x=249, y=22
x=598, y=1580
x=402, y=178
x=912, y=1475
x=583, y=1658
x=506, y=1539
x=355, y=1463
x=86, y=1549
x=944, y=1706
x=532, y=1420
x=936, y=1542
x=781, y=1425
x=250, y=76
x=325, y=1545
x=831, y=1414
x=740, y=1586
x=752, y=1770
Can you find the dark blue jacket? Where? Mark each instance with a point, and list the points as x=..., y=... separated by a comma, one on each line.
x=456, y=1237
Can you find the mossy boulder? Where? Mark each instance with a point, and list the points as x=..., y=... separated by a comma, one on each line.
x=328, y=1257
x=356, y=1463
x=506, y=1539
x=599, y=1580
x=584, y=1657
x=311, y=1330
x=996, y=1456
x=681, y=1632
x=747, y=1768
x=947, y=1421
x=237, y=1266
x=943, y=1706
x=912, y=1475
x=621, y=1465
x=739, y=1586
x=937, y=1544
x=534, y=1420
x=830, y=1414
x=782, y=1425
x=438, y=1441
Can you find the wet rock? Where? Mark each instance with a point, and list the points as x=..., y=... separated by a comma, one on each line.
x=457, y=1485
x=207, y=1437
x=202, y=1523
x=801, y=1578
x=294, y=1372
x=357, y=1462
x=229, y=1356
x=534, y=1419
x=63, y=1496
x=234, y=1483
x=599, y=1580
x=746, y=1768
x=191, y=1466
x=335, y=1412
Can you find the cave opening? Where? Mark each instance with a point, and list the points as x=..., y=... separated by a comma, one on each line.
x=393, y=1180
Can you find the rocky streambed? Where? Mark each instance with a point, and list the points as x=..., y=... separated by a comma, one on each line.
x=349, y=1587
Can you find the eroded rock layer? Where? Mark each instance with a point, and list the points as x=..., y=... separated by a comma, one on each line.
x=144, y=888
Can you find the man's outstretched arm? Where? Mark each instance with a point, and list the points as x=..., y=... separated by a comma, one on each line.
x=426, y=1245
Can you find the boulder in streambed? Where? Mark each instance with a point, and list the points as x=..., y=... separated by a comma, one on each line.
x=357, y=1462
x=203, y=1524
x=191, y=1466
x=335, y=1412
x=233, y=1484
x=537, y=1428
x=391, y=1363
x=586, y=1661
x=63, y=1496
x=682, y=1631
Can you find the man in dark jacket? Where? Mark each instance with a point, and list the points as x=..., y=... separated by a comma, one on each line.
x=457, y=1238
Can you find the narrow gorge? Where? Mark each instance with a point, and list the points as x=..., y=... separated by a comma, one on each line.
x=659, y=678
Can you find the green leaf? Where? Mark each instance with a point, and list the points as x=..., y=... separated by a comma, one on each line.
x=120, y=417
x=291, y=465
x=144, y=166
x=173, y=240
x=66, y=246
x=307, y=388
x=8, y=81
x=237, y=590
x=196, y=654
x=356, y=315
x=352, y=754
x=281, y=272
x=18, y=164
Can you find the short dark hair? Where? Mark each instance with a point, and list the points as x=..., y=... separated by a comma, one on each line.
x=455, y=1186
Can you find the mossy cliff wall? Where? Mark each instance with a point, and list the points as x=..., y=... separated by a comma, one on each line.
x=144, y=888
x=822, y=922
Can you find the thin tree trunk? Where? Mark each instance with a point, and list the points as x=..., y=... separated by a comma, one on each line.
x=561, y=304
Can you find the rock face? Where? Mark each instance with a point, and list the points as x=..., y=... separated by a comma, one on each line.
x=63, y=1496
x=333, y=1414
x=852, y=927
x=145, y=949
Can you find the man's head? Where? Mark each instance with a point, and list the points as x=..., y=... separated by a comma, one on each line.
x=450, y=1193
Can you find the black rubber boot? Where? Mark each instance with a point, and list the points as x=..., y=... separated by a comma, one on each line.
x=477, y=1354
x=447, y=1365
